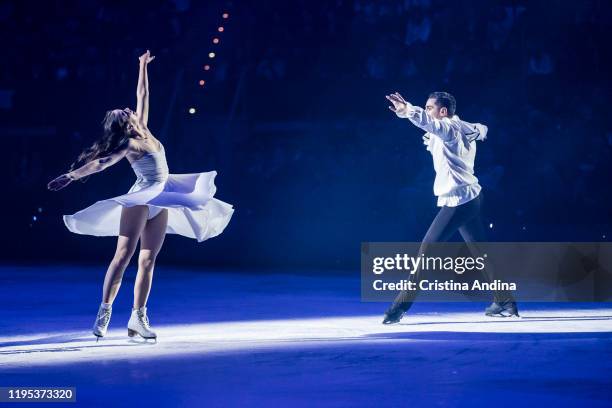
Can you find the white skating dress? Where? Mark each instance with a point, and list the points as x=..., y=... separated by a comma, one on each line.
x=192, y=210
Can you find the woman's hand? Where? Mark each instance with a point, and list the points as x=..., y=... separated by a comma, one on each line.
x=60, y=182
x=146, y=57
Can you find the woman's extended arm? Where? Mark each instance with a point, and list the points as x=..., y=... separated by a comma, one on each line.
x=94, y=166
x=142, y=89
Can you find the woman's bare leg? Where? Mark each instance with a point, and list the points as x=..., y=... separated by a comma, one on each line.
x=133, y=220
x=151, y=241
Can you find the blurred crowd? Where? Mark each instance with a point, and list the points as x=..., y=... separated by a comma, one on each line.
x=295, y=97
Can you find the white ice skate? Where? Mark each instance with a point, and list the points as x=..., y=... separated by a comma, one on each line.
x=139, y=324
x=102, y=320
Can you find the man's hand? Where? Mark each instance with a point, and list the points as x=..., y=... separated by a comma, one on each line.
x=146, y=57
x=59, y=182
x=400, y=106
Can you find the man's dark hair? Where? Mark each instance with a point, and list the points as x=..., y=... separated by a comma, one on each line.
x=445, y=100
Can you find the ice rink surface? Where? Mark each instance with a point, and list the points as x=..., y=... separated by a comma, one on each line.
x=272, y=339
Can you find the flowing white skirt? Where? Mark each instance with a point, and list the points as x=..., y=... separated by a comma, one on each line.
x=192, y=210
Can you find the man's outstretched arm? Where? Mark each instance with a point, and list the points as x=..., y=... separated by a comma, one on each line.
x=419, y=117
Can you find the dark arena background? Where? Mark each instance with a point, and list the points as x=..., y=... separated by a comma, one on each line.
x=286, y=101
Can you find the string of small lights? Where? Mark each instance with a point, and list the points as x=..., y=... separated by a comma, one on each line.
x=216, y=41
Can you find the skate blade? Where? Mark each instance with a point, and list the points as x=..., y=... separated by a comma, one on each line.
x=503, y=315
x=387, y=322
x=132, y=333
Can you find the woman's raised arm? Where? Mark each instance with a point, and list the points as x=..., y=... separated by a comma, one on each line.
x=142, y=89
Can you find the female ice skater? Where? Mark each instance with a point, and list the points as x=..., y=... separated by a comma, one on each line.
x=452, y=143
x=158, y=203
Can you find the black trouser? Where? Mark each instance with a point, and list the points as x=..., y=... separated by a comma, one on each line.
x=465, y=218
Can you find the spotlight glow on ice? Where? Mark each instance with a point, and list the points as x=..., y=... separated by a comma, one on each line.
x=60, y=348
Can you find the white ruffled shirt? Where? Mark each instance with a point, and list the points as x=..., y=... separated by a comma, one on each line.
x=452, y=143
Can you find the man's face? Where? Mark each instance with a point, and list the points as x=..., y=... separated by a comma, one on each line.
x=435, y=110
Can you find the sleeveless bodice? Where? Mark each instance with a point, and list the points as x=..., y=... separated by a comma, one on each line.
x=151, y=168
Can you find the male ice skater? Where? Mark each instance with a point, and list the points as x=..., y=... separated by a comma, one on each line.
x=452, y=143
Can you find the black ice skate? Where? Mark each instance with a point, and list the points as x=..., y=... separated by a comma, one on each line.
x=502, y=309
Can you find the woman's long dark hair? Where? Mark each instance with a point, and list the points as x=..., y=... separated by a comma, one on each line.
x=115, y=137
